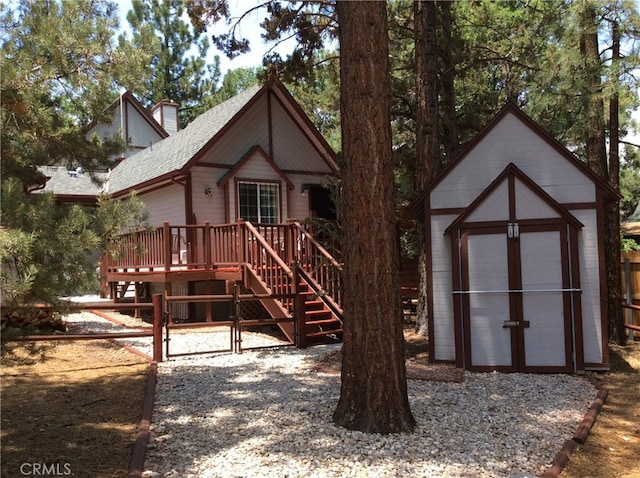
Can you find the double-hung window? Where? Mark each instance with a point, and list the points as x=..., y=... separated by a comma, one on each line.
x=259, y=202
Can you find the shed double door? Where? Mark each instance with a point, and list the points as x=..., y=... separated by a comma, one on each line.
x=516, y=298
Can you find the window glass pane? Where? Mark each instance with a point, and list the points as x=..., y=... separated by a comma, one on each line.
x=269, y=202
x=259, y=202
x=248, y=201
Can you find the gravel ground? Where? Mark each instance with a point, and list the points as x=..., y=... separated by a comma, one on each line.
x=267, y=414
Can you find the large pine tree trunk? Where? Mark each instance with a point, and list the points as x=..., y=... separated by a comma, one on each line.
x=612, y=243
x=427, y=145
x=597, y=160
x=373, y=397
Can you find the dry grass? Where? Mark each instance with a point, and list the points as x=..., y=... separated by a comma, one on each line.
x=612, y=449
x=70, y=405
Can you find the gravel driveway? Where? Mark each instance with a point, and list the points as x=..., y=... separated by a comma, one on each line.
x=267, y=413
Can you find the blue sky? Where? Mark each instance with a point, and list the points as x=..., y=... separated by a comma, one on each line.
x=249, y=28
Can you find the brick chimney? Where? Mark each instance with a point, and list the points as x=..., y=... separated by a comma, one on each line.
x=166, y=113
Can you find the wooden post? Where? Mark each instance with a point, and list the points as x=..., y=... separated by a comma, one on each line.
x=166, y=241
x=627, y=276
x=206, y=244
x=157, y=327
x=299, y=308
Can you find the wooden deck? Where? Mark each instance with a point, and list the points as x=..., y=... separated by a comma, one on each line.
x=295, y=279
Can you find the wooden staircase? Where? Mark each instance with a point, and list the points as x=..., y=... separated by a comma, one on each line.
x=295, y=292
x=321, y=324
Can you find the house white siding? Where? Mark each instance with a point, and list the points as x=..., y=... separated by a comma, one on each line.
x=292, y=150
x=250, y=129
x=165, y=204
x=140, y=132
x=207, y=208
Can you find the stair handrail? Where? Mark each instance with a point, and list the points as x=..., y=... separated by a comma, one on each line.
x=329, y=289
x=317, y=245
x=278, y=287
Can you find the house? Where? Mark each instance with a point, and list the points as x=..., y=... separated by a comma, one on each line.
x=514, y=241
x=130, y=120
x=257, y=156
x=225, y=196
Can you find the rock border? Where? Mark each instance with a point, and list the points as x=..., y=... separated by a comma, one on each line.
x=580, y=436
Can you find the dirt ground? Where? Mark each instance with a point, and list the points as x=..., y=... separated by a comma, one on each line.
x=69, y=408
x=76, y=406
x=612, y=449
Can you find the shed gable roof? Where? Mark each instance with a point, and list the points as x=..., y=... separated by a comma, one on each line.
x=512, y=171
x=417, y=205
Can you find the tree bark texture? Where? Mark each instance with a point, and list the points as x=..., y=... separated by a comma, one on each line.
x=597, y=161
x=447, y=83
x=617, y=331
x=373, y=395
x=427, y=145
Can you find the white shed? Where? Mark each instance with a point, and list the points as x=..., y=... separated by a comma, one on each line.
x=516, y=276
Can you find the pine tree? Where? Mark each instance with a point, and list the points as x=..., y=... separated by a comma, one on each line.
x=176, y=72
x=373, y=396
x=60, y=69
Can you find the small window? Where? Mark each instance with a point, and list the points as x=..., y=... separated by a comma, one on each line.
x=259, y=202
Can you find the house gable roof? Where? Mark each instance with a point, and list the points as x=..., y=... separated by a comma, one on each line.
x=179, y=152
x=128, y=97
x=169, y=156
x=249, y=155
x=417, y=205
x=512, y=171
x=68, y=186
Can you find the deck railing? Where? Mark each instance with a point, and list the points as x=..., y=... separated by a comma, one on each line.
x=260, y=255
x=270, y=249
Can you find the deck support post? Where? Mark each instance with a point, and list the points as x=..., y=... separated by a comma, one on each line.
x=301, y=335
x=166, y=243
x=157, y=327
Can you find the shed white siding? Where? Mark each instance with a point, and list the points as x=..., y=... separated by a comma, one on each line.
x=490, y=342
x=540, y=312
x=590, y=285
x=541, y=265
x=512, y=141
x=444, y=336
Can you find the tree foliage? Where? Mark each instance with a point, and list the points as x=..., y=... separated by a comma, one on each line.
x=174, y=74
x=60, y=70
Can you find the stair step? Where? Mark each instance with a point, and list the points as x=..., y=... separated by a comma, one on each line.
x=317, y=313
x=322, y=322
x=313, y=305
x=322, y=333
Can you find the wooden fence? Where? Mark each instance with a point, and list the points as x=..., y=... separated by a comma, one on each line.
x=631, y=290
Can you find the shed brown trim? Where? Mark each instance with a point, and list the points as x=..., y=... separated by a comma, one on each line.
x=607, y=190
x=509, y=174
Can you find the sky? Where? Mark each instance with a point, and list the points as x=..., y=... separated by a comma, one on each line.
x=249, y=28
